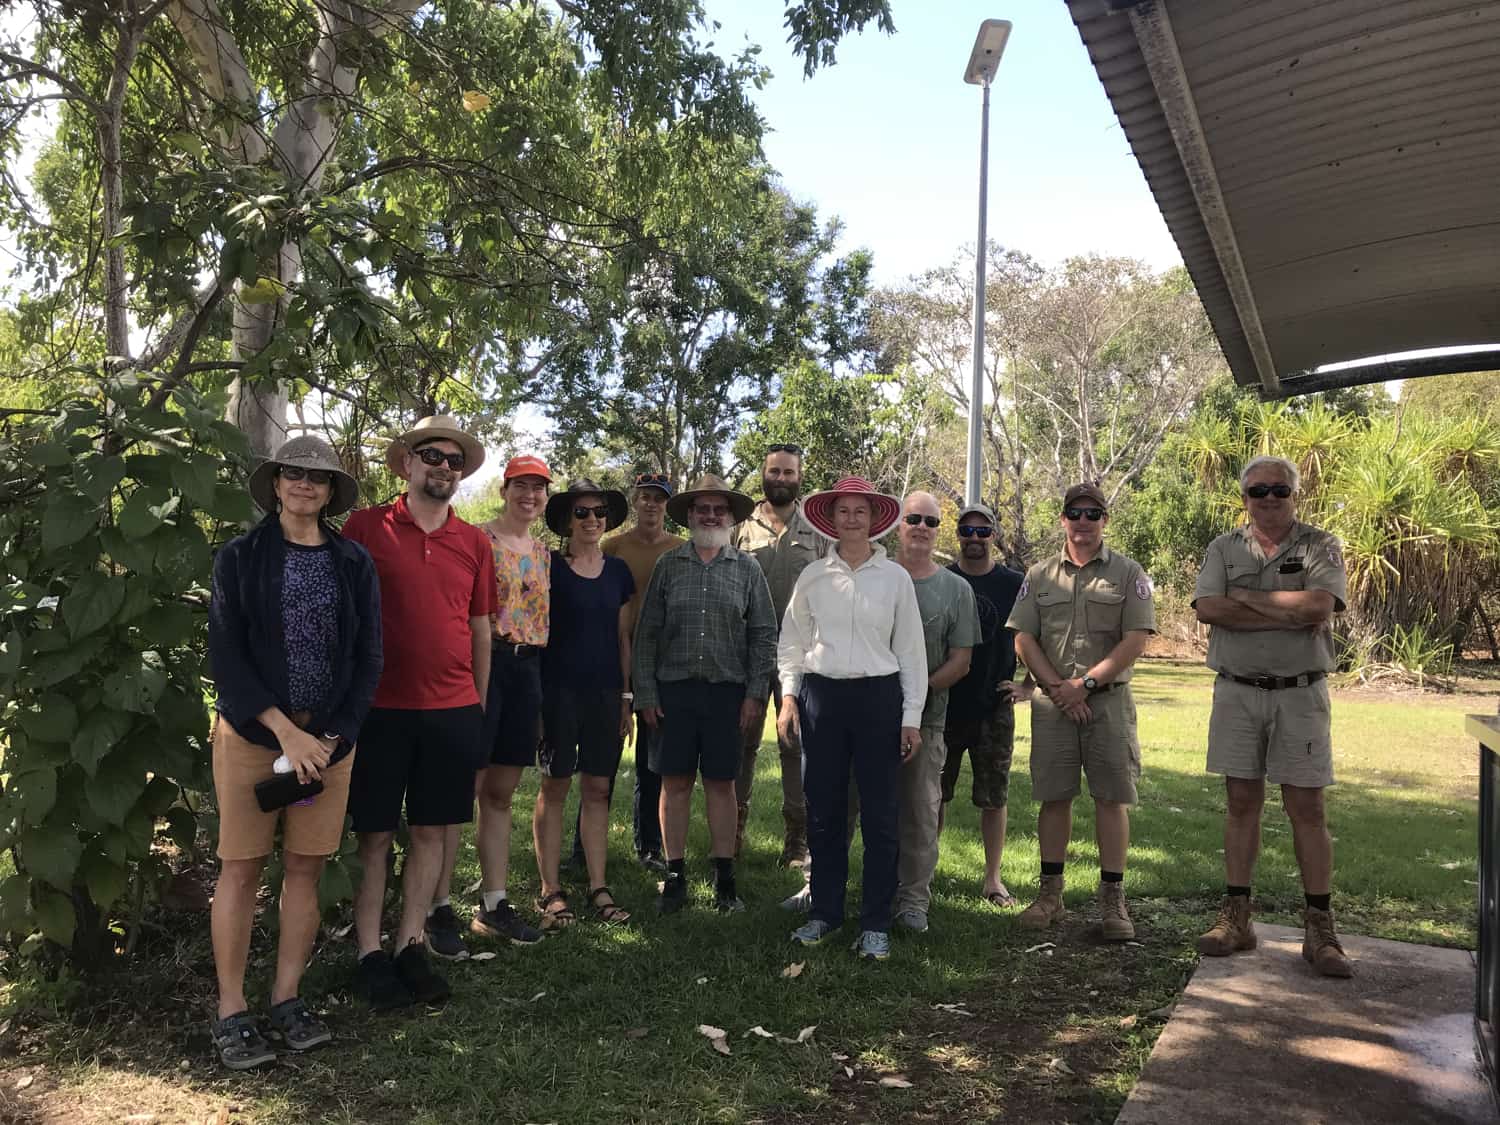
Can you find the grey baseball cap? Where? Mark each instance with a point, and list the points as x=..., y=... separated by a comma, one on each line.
x=976, y=510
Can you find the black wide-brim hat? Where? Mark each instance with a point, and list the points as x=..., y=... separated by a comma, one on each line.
x=559, y=514
x=305, y=452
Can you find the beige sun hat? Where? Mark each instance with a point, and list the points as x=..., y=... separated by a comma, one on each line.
x=740, y=505
x=304, y=452
x=432, y=428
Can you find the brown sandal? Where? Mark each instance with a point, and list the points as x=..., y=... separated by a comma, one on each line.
x=610, y=911
x=557, y=919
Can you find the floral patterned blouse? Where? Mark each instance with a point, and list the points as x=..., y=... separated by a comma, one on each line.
x=525, y=581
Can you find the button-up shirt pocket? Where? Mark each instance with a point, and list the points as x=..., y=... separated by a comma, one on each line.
x=1104, y=611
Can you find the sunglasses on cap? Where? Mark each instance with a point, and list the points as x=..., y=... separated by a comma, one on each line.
x=435, y=457
x=1093, y=515
x=297, y=472
x=785, y=447
x=651, y=480
x=1261, y=491
x=598, y=511
x=974, y=530
x=914, y=519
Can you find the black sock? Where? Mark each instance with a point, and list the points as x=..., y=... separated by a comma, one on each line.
x=1318, y=902
x=677, y=868
x=1236, y=892
x=1051, y=868
x=1111, y=876
x=723, y=869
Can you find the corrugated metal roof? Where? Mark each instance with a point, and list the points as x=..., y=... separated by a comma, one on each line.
x=1330, y=169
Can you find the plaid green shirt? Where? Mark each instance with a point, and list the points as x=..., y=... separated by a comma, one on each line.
x=704, y=621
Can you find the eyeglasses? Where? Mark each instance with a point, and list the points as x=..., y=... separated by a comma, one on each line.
x=1093, y=515
x=914, y=519
x=651, y=480
x=785, y=447
x=975, y=531
x=436, y=457
x=1261, y=491
x=598, y=511
x=297, y=472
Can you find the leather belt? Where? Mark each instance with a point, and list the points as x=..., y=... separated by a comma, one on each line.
x=519, y=651
x=1276, y=683
x=1105, y=687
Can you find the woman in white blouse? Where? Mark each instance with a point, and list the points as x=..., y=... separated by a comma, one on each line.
x=854, y=680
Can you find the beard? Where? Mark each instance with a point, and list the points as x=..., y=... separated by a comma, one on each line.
x=710, y=538
x=435, y=489
x=779, y=492
x=975, y=548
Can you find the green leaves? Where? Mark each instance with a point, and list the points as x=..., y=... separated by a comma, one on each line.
x=92, y=603
x=98, y=735
x=136, y=686
x=67, y=518
x=146, y=510
x=51, y=853
x=53, y=718
x=55, y=915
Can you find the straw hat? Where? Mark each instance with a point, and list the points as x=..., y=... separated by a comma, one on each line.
x=884, y=510
x=740, y=505
x=305, y=452
x=430, y=429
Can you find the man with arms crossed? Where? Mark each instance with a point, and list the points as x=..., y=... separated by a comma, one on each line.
x=1082, y=619
x=421, y=741
x=1270, y=589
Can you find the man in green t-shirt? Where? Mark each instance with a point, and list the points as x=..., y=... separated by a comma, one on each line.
x=950, y=626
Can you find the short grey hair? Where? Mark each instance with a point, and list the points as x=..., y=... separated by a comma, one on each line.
x=1289, y=471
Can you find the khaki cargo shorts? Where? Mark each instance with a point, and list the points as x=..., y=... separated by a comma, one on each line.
x=247, y=833
x=1283, y=736
x=1104, y=749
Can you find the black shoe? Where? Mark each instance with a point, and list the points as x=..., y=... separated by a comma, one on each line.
x=504, y=922
x=651, y=860
x=674, y=895
x=442, y=935
x=421, y=981
x=375, y=979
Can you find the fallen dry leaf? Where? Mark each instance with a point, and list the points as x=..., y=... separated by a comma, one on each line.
x=537, y=997
x=956, y=1009
x=1454, y=866
x=1127, y=1021
x=340, y=934
x=701, y=980
x=896, y=1082
x=717, y=1036
x=806, y=1033
x=794, y=969
x=637, y=1033
x=24, y=1081
x=1044, y=945
x=840, y=1058
x=760, y=1031
x=487, y=955
x=1060, y=1066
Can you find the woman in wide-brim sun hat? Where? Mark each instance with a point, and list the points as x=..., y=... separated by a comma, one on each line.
x=853, y=666
x=884, y=510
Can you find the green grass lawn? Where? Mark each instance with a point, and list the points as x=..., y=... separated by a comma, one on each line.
x=599, y=1024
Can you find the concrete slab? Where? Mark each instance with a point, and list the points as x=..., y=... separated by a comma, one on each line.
x=1259, y=1037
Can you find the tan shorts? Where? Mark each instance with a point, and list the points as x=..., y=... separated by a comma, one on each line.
x=247, y=833
x=1104, y=749
x=1283, y=736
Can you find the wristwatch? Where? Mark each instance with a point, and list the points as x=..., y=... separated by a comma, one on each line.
x=627, y=695
x=330, y=736
x=1089, y=683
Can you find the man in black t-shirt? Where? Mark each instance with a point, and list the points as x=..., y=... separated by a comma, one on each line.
x=981, y=706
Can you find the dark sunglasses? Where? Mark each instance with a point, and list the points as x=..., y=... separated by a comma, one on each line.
x=436, y=457
x=297, y=472
x=1093, y=515
x=1261, y=491
x=598, y=511
x=652, y=480
x=785, y=447
x=913, y=519
x=974, y=530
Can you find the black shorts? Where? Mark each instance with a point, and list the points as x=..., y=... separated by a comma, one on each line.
x=580, y=732
x=700, y=729
x=513, y=708
x=425, y=757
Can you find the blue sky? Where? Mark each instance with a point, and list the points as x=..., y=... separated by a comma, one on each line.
x=888, y=138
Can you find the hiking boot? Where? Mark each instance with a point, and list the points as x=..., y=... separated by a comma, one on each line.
x=913, y=919
x=420, y=979
x=873, y=945
x=794, y=852
x=1114, y=919
x=674, y=894
x=375, y=979
x=800, y=902
x=1232, y=930
x=503, y=922
x=442, y=937
x=1320, y=945
x=1048, y=907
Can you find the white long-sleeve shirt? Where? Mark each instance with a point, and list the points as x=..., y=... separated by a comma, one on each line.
x=845, y=624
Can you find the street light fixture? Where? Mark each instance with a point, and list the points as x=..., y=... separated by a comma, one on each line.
x=984, y=61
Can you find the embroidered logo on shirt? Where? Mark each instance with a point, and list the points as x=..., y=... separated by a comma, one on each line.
x=1334, y=555
x=1025, y=588
x=1143, y=588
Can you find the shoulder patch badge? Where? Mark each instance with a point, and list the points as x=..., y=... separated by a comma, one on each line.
x=1143, y=588
x=1335, y=556
x=1024, y=590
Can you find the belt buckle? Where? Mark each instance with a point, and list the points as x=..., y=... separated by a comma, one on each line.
x=521, y=649
x=1266, y=683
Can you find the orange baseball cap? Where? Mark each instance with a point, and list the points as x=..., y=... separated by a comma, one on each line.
x=527, y=465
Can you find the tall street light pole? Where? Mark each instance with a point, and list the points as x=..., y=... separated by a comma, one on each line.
x=984, y=61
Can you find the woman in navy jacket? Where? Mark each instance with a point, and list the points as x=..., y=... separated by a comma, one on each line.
x=294, y=643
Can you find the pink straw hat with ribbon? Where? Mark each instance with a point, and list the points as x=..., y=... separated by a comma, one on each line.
x=884, y=510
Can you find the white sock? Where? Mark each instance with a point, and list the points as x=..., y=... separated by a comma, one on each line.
x=493, y=899
x=438, y=904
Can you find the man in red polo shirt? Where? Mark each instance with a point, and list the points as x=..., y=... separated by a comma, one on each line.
x=422, y=740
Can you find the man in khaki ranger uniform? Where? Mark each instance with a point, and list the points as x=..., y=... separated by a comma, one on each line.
x=1082, y=618
x=783, y=542
x=1269, y=589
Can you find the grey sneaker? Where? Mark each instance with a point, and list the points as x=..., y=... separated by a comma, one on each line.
x=298, y=1027
x=442, y=936
x=504, y=922
x=811, y=932
x=873, y=945
x=914, y=920
x=799, y=903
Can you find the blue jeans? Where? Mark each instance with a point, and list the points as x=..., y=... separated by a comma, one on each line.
x=852, y=726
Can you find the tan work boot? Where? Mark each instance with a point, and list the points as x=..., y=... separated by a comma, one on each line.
x=1048, y=907
x=1232, y=930
x=1114, y=919
x=1320, y=945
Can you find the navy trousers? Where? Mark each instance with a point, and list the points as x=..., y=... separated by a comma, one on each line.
x=851, y=726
